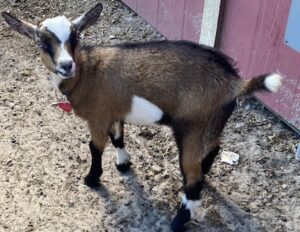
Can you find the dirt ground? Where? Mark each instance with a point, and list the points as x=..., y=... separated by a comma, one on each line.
x=44, y=155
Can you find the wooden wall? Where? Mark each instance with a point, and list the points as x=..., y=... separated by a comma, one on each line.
x=253, y=34
x=175, y=19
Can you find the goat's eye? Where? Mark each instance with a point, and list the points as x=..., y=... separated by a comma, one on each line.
x=40, y=44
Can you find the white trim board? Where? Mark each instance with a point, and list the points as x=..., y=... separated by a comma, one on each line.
x=209, y=24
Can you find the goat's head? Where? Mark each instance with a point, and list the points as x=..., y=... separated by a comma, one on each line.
x=56, y=38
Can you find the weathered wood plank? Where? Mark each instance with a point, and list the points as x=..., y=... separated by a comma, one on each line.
x=148, y=10
x=170, y=18
x=131, y=3
x=192, y=20
x=253, y=34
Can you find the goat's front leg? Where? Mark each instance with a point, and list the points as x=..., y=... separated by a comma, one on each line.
x=97, y=145
x=116, y=134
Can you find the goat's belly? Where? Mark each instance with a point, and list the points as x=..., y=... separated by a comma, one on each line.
x=143, y=112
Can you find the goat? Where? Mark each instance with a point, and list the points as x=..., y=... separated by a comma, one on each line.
x=190, y=87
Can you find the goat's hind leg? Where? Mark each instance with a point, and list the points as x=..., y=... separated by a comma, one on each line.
x=215, y=128
x=116, y=134
x=191, y=151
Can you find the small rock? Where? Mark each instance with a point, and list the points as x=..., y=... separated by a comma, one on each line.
x=284, y=186
x=157, y=178
x=156, y=168
x=150, y=173
x=25, y=73
x=253, y=206
x=230, y=157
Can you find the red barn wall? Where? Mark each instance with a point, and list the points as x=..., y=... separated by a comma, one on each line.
x=175, y=19
x=253, y=34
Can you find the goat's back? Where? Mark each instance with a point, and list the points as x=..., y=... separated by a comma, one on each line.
x=175, y=75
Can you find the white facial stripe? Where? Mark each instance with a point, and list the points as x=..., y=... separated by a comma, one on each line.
x=191, y=205
x=60, y=26
x=143, y=112
x=122, y=156
x=64, y=55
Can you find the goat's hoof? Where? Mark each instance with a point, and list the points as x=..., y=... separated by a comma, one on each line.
x=124, y=167
x=182, y=217
x=91, y=182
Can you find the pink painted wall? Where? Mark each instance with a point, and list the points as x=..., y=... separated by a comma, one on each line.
x=175, y=19
x=253, y=34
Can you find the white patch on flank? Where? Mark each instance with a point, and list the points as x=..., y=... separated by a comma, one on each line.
x=60, y=26
x=191, y=205
x=116, y=126
x=143, y=112
x=273, y=82
x=122, y=156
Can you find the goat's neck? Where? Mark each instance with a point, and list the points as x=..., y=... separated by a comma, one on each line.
x=66, y=87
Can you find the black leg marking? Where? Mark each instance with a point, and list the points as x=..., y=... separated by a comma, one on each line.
x=92, y=179
x=182, y=217
x=124, y=167
x=209, y=159
x=119, y=142
x=193, y=192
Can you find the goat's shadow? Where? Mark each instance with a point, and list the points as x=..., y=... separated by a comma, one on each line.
x=147, y=215
x=234, y=218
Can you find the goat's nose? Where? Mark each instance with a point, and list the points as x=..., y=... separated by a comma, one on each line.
x=66, y=65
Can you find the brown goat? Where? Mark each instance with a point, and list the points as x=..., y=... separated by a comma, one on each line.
x=190, y=87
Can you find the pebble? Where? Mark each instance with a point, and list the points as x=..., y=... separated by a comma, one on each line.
x=156, y=168
x=284, y=186
x=25, y=73
x=230, y=157
x=157, y=178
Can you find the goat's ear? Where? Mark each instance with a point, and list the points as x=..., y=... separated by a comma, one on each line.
x=89, y=18
x=20, y=26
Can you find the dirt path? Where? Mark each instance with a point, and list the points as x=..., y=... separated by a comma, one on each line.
x=44, y=155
